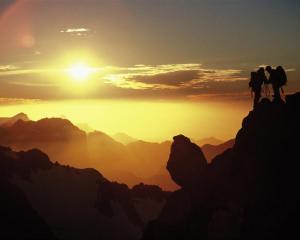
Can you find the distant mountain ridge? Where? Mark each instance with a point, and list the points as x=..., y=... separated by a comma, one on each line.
x=66, y=143
x=209, y=140
x=131, y=163
x=59, y=138
x=9, y=121
x=211, y=151
x=124, y=138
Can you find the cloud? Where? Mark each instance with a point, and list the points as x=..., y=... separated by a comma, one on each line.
x=171, y=76
x=22, y=71
x=77, y=31
x=286, y=69
x=71, y=30
x=176, y=78
x=291, y=70
x=5, y=68
x=15, y=101
x=240, y=96
x=35, y=84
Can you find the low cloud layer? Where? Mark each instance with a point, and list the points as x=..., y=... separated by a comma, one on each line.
x=15, y=101
x=173, y=76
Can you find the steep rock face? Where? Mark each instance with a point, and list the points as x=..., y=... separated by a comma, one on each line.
x=185, y=162
x=249, y=191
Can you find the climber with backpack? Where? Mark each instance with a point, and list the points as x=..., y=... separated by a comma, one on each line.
x=282, y=78
x=277, y=77
x=255, y=84
x=273, y=79
x=262, y=78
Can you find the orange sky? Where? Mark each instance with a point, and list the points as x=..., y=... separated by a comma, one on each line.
x=152, y=69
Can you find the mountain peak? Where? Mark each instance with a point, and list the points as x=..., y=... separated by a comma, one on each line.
x=22, y=115
x=247, y=192
x=9, y=121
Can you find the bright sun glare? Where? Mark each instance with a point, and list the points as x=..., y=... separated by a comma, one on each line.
x=80, y=71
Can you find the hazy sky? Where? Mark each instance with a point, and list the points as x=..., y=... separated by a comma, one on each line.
x=183, y=50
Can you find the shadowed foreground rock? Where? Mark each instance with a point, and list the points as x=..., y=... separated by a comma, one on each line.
x=43, y=200
x=18, y=220
x=249, y=192
x=185, y=162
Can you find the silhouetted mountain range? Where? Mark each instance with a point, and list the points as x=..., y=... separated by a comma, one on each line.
x=134, y=162
x=43, y=200
x=248, y=192
x=64, y=142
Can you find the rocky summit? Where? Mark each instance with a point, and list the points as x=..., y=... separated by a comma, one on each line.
x=248, y=192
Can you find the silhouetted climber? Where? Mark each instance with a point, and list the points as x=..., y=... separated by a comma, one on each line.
x=255, y=83
x=275, y=80
x=264, y=79
x=282, y=78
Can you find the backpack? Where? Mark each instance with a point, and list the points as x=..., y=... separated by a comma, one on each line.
x=252, y=80
x=255, y=83
x=281, y=76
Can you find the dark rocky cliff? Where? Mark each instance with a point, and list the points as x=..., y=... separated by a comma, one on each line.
x=249, y=191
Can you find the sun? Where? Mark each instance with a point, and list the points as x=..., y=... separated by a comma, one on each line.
x=80, y=72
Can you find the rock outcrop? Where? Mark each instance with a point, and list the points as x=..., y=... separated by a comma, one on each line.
x=186, y=161
x=249, y=191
